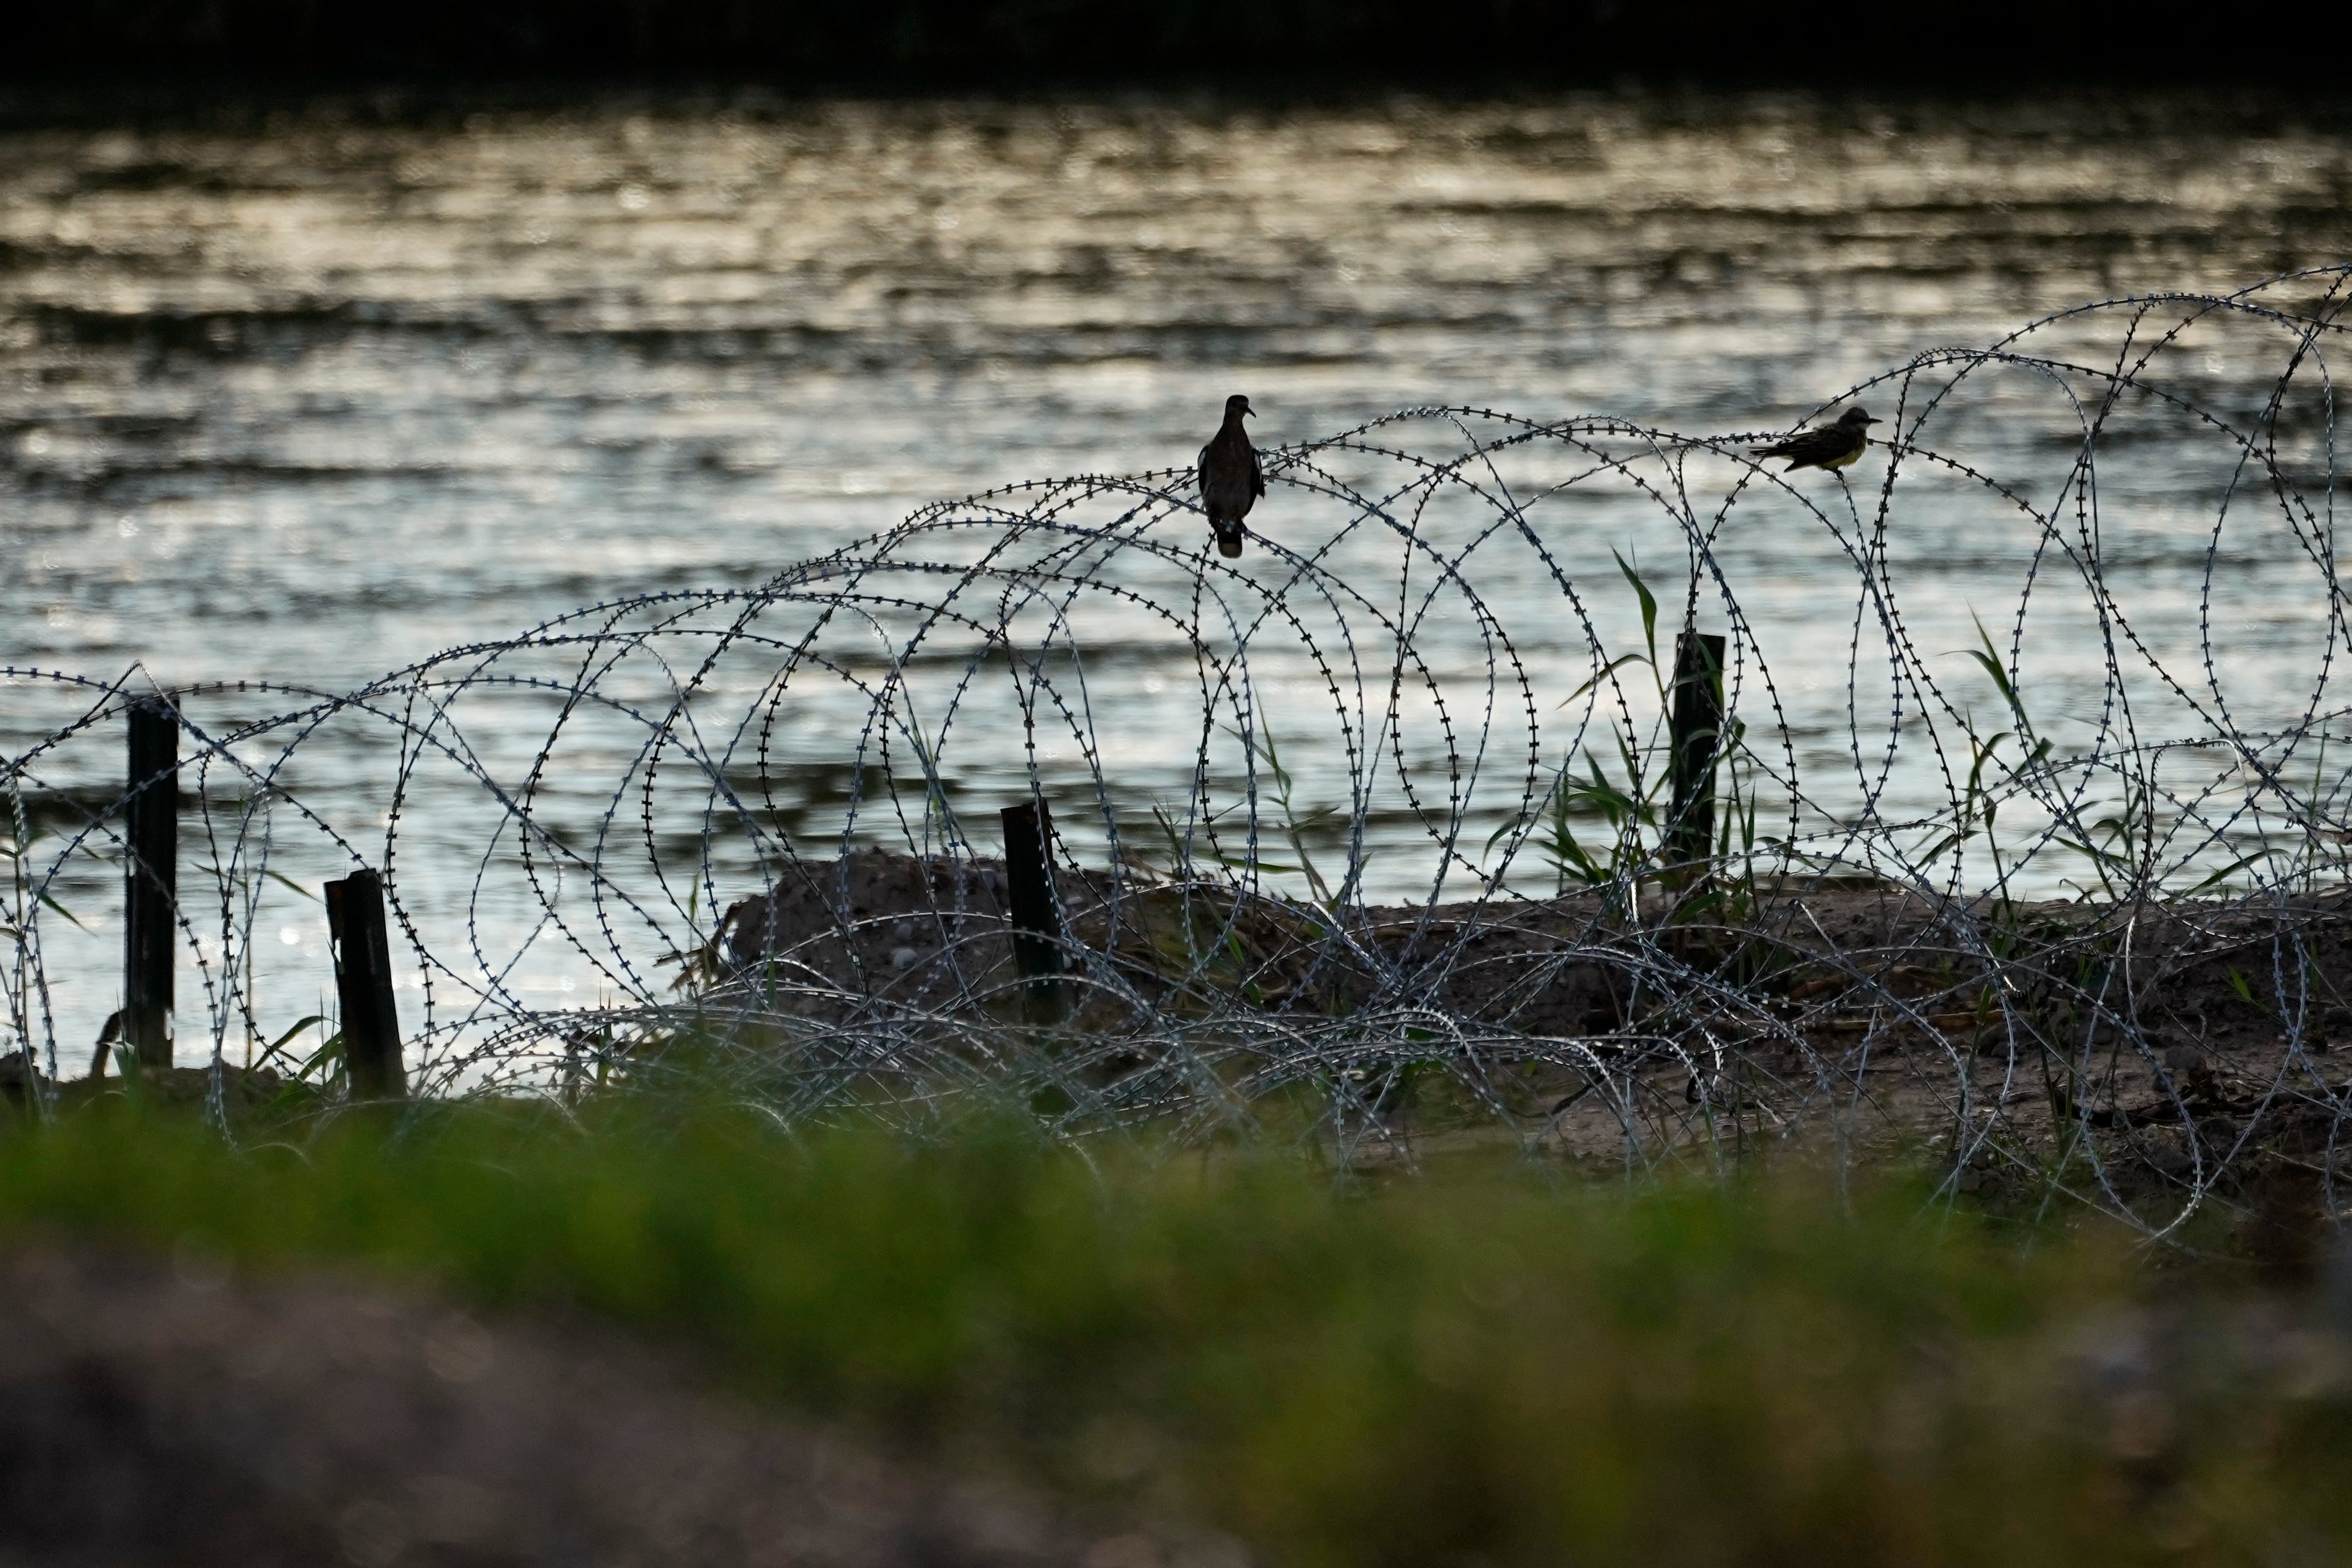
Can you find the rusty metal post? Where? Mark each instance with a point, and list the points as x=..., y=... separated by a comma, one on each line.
x=151, y=879
x=1036, y=923
x=364, y=982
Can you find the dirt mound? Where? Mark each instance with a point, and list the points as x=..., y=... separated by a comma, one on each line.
x=158, y=1413
x=2190, y=1044
x=1825, y=955
x=935, y=935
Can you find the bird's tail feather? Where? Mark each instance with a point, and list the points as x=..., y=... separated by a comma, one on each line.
x=1229, y=540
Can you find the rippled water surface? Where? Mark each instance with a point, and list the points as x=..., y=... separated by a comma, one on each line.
x=307, y=396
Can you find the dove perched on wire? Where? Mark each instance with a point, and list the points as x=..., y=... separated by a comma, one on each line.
x=1832, y=445
x=1231, y=478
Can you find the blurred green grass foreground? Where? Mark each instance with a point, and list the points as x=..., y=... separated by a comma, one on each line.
x=1468, y=1367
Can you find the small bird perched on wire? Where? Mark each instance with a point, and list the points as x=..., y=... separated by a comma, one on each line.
x=1832, y=445
x=1231, y=478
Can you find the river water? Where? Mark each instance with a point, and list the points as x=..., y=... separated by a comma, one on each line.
x=305, y=396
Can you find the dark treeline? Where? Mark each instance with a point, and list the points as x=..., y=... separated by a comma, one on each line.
x=941, y=41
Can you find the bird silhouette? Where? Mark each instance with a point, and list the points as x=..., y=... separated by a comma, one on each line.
x=1832, y=445
x=1231, y=478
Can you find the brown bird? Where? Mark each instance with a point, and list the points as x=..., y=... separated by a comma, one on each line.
x=1830, y=446
x=1230, y=477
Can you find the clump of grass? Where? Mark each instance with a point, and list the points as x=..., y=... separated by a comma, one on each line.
x=1473, y=1367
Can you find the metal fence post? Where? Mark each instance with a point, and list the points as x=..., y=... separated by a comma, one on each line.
x=1036, y=923
x=1698, y=739
x=151, y=880
x=364, y=982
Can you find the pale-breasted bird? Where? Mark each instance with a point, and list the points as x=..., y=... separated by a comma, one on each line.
x=1832, y=445
x=1231, y=478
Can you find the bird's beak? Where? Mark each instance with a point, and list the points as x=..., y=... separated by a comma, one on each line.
x=1873, y=422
